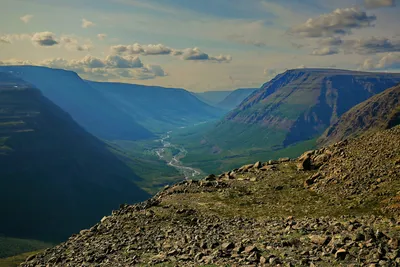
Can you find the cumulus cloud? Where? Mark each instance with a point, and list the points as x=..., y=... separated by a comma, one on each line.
x=197, y=54
x=379, y=3
x=87, y=23
x=388, y=61
x=136, y=49
x=325, y=51
x=4, y=40
x=160, y=49
x=101, y=36
x=372, y=45
x=44, y=39
x=8, y=62
x=339, y=22
x=26, y=18
x=72, y=44
x=115, y=61
x=112, y=67
x=331, y=41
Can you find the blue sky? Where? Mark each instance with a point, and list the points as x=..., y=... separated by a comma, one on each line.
x=199, y=45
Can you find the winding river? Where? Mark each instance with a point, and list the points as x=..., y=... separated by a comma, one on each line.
x=175, y=160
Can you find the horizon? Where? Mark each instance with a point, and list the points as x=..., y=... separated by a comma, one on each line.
x=229, y=45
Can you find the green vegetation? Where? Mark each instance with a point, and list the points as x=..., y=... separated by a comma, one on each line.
x=14, y=246
x=212, y=153
x=139, y=156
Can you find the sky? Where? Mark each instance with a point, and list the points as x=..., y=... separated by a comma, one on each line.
x=202, y=45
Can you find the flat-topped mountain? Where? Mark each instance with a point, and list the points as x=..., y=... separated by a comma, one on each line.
x=157, y=108
x=302, y=103
x=379, y=112
x=335, y=206
x=86, y=105
x=55, y=178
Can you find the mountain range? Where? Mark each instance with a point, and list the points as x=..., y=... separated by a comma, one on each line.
x=285, y=116
x=158, y=109
x=86, y=105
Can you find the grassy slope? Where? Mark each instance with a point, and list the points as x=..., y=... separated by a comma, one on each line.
x=14, y=246
x=203, y=154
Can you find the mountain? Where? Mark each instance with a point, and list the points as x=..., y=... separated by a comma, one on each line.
x=302, y=103
x=379, y=112
x=158, y=109
x=341, y=212
x=212, y=97
x=235, y=98
x=86, y=105
x=55, y=178
x=284, y=117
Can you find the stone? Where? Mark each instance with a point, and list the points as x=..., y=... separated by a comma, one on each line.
x=227, y=246
x=341, y=254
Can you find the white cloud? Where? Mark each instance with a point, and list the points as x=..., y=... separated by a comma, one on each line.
x=14, y=62
x=44, y=39
x=86, y=23
x=197, y=54
x=339, y=22
x=325, y=51
x=115, y=61
x=101, y=36
x=72, y=44
x=388, y=61
x=26, y=18
x=160, y=49
x=372, y=45
x=331, y=41
x=379, y=3
x=114, y=67
x=136, y=49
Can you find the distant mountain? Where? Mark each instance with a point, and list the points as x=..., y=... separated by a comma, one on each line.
x=284, y=117
x=86, y=105
x=379, y=112
x=55, y=178
x=212, y=97
x=157, y=108
x=302, y=103
x=235, y=98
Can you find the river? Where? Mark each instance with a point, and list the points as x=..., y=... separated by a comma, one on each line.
x=175, y=161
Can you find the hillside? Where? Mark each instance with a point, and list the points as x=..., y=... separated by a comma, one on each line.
x=86, y=105
x=212, y=97
x=158, y=109
x=336, y=206
x=235, y=98
x=55, y=178
x=379, y=112
x=284, y=117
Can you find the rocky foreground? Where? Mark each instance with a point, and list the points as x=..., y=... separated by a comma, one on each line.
x=336, y=206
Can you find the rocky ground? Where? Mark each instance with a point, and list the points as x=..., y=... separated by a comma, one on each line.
x=331, y=207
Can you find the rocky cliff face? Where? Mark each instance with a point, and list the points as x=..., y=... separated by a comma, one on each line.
x=377, y=113
x=304, y=102
x=322, y=209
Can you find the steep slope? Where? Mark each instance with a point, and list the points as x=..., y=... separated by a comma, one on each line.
x=86, y=105
x=55, y=178
x=157, y=108
x=377, y=113
x=235, y=98
x=284, y=117
x=304, y=102
x=212, y=97
x=263, y=214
